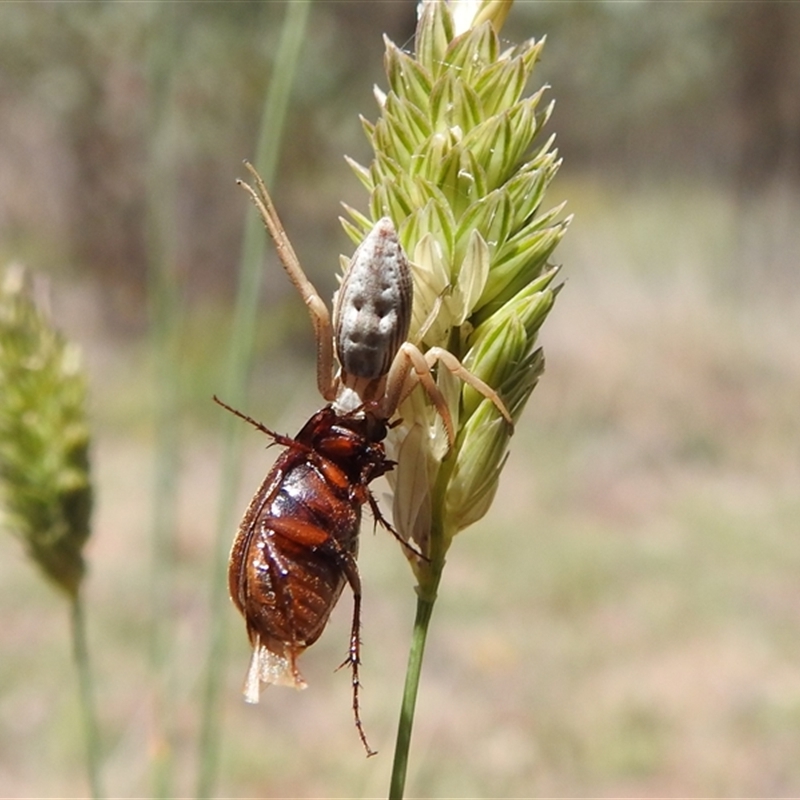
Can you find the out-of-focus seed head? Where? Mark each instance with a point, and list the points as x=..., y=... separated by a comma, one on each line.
x=45, y=485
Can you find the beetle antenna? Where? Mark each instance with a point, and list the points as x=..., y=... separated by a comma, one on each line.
x=257, y=425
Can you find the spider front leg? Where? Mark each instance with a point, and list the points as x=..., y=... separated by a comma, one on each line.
x=411, y=366
x=320, y=316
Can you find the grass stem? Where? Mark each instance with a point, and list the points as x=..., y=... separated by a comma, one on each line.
x=90, y=728
x=425, y=604
x=238, y=364
x=166, y=320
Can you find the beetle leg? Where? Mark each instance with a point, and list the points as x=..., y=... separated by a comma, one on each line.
x=313, y=537
x=354, y=653
x=320, y=316
x=273, y=661
x=379, y=518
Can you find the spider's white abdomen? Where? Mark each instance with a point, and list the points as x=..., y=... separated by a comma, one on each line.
x=372, y=310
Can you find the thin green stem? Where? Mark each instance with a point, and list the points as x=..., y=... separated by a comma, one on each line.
x=429, y=576
x=165, y=322
x=80, y=651
x=425, y=603
x=239, y=363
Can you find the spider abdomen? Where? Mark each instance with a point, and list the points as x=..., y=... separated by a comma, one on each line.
x=372, y=310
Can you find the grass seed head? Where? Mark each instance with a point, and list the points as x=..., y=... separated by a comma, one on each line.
x=459, y=168
x=44, y=438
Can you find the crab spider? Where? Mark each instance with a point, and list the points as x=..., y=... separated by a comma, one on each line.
x=378, y=367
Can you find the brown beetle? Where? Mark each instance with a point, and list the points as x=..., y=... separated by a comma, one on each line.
x=297, y=543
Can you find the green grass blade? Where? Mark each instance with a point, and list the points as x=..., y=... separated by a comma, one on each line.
x=238, y=367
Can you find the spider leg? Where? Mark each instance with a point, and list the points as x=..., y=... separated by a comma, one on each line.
x=411, y=367
x=408, y=369
x=440, y=355
x=320, y=316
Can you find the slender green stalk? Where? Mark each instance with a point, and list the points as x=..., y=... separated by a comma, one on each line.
x=425, y=604
x=165, y=323
x=239, y=363
x=88, y=712
x=429, y=574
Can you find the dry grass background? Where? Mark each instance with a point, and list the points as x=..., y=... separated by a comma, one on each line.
x=625, y=621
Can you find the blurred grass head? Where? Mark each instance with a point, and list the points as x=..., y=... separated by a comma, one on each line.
x=44, y=436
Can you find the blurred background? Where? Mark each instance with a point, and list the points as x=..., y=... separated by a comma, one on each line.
x=626, y=620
